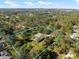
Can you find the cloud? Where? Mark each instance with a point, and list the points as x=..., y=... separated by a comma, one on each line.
x=37, y=4
x=77, y=1
x=10, y=3
x=44, y=3
x=29, y=3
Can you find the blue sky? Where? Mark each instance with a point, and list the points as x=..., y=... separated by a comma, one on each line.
x=70, y=4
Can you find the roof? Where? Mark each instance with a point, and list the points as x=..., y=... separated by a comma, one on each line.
x=5, y=57
x=38, y=36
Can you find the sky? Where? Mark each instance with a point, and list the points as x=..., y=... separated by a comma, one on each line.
x=67, y=4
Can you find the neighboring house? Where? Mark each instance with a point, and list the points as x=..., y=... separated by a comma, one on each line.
x=39, y=36
x=7, y=17
x=74, y=34
x=4, y=55
x=74, y=29
x=69, y=55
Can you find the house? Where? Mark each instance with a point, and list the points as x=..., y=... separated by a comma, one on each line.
x=69, y=55
x=4, y=55
x=74, y=36
x=39, y=37
x=74, y=29
x=7, y=17
x=75, y=32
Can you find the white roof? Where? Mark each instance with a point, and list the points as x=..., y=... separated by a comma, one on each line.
x=74, y=36
x=38, y=36
x=5, y=57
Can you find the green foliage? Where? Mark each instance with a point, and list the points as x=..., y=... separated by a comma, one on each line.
x=30, y=22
